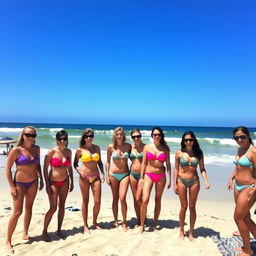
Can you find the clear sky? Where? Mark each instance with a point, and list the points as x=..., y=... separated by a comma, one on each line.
x=129, y=62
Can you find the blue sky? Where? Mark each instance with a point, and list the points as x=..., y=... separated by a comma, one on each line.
x=128, y=62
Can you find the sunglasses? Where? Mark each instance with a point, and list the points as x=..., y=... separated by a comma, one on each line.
x=88, y=136
x=188, y=140
x=136, y=137
x=157, y=135
x=64, y=139
x=30, y=135
x=241, y=137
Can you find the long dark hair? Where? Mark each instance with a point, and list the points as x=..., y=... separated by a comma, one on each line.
x=198, y=153
x=162, y=140
x=244, y=130
x=85, y=132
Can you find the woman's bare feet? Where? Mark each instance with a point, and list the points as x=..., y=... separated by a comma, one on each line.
x=46, y=237
x=9, y=247
x=97, y=226
x=236, y=233
x=190, y=236
x=245, y=254
x=182, y=235
x=87, y=230
x=60, y=234
x=124, y=226
x=142, y=229
x=116, y=224
x=25, y=236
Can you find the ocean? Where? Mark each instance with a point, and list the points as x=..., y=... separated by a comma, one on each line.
x=216, y=142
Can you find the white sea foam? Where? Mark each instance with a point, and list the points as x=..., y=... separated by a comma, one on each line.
x=10, y=130
x=55, y=129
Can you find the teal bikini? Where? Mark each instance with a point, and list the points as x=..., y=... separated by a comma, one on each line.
x=120, y=176
x=187, y=182
x=139, y=157
x=245, y=162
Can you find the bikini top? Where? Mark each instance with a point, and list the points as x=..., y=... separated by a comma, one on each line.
x=184, y=162
x=124, y=155
x=56, y=162
x=88, y=158
x=161, y=157
x=138, y=156
x=244, y=161
x=23, y=160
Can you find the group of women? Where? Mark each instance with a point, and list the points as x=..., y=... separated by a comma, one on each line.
x=150, y=166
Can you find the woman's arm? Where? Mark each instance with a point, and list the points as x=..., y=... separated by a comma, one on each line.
x=76, y=160
x=109, y=152
x=39, y=170
x=47, y=160
x=176, y=171
x=203, y=172
x=12, y=156
x=168, y=166
x=70, y=172
x=100, y=165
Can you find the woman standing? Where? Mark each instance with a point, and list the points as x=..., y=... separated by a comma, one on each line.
x=136, y=156
x=153, y=172
x=58, y=181
x=90, y=156
x=26, y=155
x=186, y=178
x=244, y=189
x=117, y=174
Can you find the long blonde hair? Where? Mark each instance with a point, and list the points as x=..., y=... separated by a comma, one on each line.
x=114, y=136
x=20, y=139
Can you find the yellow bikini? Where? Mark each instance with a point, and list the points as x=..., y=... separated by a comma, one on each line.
x=88, y=158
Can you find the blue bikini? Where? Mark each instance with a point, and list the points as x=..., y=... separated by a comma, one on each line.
x=245, y=162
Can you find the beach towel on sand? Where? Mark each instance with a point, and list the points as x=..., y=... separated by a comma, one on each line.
x=227, y=246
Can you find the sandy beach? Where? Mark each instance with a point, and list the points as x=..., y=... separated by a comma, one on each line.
x=213, y=218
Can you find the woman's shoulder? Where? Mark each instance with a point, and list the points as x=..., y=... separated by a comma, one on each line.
x=178, y=153
x=253, y=149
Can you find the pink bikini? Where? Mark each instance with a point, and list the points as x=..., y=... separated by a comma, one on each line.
x=155, y=177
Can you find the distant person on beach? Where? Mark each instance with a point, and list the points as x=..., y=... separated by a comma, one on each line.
x=153, y=172
x=117, y=173
x=244, y=188
x=58, y=181
x=136, y=157
x=26, y=156
x=186, y=179
x=90, y=177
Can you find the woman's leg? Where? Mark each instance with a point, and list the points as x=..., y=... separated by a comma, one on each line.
x=182, y=192
x=53, y=198
x=193, y=193
x=17, y=211
x=123, y=187
x=114, y=184
x=29, y=200
x=84, y=187
x=96, y=190
x=159, y=188
x=134, y=188
x=63, y=192
x=241, y=213
x=147, y=187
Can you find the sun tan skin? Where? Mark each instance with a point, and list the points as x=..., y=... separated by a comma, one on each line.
x=153, y=166
x=118, y=188
x=137, y=148
x=189, y=173
x=89, y=168
x=57, y=195
x=24, y=173
x=246, y=198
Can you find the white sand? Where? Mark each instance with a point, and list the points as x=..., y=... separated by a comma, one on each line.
x=212, y=218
